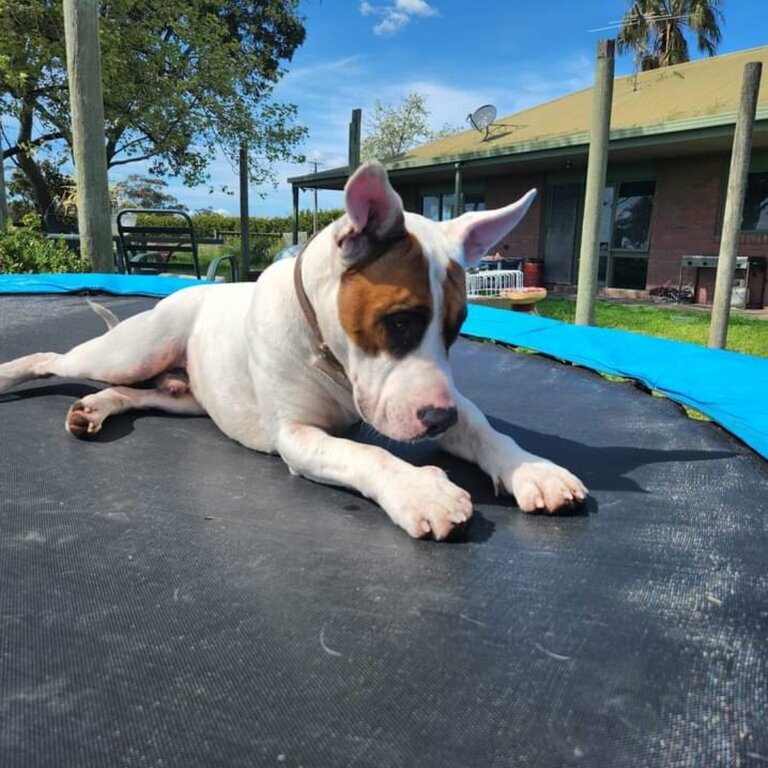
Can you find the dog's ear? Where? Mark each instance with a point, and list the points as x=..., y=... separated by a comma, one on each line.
x=477, y=231
x=374, y=211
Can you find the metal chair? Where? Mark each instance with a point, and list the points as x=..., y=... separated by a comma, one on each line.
x=150, y=248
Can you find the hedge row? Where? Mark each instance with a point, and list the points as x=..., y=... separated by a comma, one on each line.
x=214, y=224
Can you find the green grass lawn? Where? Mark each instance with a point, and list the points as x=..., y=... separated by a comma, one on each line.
x=745, y=334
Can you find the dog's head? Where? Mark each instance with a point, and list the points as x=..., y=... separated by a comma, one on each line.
x=396, y=300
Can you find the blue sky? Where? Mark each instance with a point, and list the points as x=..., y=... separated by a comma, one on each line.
x=458, y=53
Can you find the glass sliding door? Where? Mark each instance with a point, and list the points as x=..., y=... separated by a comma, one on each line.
x=606, y=225
x=625, y=230
x=561, y=225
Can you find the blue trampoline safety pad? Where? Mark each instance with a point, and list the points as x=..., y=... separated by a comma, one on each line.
x=729, y=387
x=95, y=282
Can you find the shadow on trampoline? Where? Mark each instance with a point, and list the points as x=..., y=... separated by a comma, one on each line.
x=30, y=391
x=604, y=467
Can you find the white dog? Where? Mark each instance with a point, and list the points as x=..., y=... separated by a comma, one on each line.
x=358, y=326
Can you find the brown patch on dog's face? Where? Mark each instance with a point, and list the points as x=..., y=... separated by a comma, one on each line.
x=386, y=304
x=454, y=303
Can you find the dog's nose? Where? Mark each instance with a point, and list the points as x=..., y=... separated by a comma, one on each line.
x=437, y=420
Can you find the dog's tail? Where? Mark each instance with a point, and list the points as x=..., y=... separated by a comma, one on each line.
x=107, y=316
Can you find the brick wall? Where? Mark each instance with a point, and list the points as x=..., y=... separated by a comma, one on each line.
x=685, y=220
x=522, y=242
x=686, y=217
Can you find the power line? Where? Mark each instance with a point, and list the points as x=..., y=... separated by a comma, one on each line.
x=639, y=19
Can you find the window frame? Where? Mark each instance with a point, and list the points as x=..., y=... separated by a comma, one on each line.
x=756, y=231
x=444, y=194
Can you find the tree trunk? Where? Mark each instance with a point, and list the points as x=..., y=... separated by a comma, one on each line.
x=40, y=189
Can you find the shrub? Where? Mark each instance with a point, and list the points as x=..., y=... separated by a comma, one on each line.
x=208, y=224
x=26, y=249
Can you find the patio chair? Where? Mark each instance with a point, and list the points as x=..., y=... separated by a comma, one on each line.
x=150, y=248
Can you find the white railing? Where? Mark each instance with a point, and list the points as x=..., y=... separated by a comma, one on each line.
x=492, y=282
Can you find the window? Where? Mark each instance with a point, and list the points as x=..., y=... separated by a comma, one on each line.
x=630, y=272
x=632, y=220
x=430, y=207
x=473, y=201
x=625, y=229
x=755, y=218
x=446, y=210
x=441, y=207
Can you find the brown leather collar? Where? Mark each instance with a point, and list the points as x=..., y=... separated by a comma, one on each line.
x=326, y=362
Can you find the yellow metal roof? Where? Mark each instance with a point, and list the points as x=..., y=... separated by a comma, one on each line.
x=697, y=94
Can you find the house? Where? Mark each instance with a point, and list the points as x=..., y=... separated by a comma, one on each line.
x=669, y=154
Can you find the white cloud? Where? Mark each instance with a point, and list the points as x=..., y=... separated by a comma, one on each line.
x=451, y=103
x=392, y=21
x=415, y=7
x=326, y=102
x=318, y=71
x=395, y=16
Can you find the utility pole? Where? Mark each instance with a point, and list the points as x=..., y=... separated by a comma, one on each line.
x=602, y=99
x=81, y=33
x=734, y=205
x=314, y=163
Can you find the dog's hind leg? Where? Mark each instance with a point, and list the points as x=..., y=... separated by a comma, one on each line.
x=23, y=369
x=137, y=349
x=171, y=393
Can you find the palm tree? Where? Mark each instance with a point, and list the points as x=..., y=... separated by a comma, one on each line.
x=655, y=30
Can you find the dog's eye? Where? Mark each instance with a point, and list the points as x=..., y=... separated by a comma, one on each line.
x=405, y=329
x=399, y=323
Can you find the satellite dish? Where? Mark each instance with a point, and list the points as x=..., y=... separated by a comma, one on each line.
x=482, y=118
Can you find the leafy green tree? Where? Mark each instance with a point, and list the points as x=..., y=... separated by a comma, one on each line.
x=655, y=30
x=392, y=130
x=181, y=79
x=139, y=191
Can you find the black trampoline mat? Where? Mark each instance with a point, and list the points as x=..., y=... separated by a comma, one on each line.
x=169, y=598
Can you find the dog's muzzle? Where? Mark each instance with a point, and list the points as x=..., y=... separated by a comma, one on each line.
x=437, y=420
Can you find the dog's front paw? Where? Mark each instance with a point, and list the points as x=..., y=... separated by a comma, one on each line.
x=423, y=501
x=541, y=486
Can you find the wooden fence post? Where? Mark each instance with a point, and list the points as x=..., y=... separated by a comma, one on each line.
x=245, y=244
x=354, y=140
x=295, y=233
x=734, y=205
x=81, y=32
x=602, y=99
